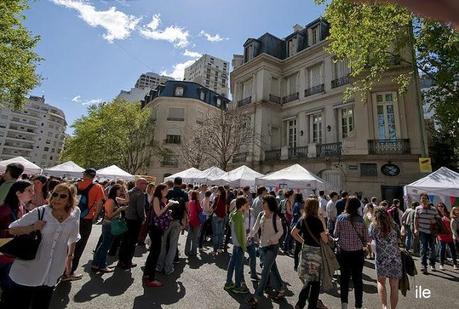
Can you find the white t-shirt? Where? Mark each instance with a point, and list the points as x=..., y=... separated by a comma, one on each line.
x=49, y=263
x=323, y=207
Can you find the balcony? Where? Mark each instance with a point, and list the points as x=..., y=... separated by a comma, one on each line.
x=389, y=146
x=340, y=81
x=240, y=157
x=169, y=162
x=272, y=155
x=290, y=97
x=175, y=119
x=275, y=99
x=10, y=145
x=314, y=90
x=244, y=102
x=298, y=152
x=328, y=150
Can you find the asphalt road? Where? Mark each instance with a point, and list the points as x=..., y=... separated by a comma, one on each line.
x=198, y=283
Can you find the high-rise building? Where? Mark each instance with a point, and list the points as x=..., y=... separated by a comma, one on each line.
x=36, y=133
x=211, y=72
x=151, y=80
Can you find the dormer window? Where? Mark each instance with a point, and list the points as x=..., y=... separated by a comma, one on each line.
x=219, y=102
x=202, y=95
x=179, y=91
x=248, y=53
x=315, y=35
x=292, y=46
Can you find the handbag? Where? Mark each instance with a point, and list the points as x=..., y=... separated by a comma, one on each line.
x=24, y=247
x=118, y=226
x=163, y=221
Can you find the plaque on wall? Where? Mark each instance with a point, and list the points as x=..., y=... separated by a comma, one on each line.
x=390, y=169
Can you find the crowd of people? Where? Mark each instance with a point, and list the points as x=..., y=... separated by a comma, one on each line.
x=324, y=234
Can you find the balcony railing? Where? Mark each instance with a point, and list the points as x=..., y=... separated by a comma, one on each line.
x=272, y=155
x=298, y=152
x=340, y=81
x=169, y=162
x=389, y=146
x=329, y=150
x=245, y=101
x=290, y=97
x=314, y=90
x=275, y=99
x=240, y=157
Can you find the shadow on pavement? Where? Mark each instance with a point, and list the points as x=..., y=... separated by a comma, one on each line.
x=169, y=294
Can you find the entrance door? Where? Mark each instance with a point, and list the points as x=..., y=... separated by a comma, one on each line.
x=334, y=178
x=388, y=193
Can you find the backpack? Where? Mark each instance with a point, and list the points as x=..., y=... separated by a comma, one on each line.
x=83, y=203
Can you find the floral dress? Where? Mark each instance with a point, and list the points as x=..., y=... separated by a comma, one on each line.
x=388, y=259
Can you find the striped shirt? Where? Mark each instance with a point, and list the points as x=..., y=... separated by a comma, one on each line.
x=424, y=217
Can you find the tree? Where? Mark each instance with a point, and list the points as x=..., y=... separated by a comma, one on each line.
x=117, y=132
x=224, y=134
x=18, y=60
x=191, y=153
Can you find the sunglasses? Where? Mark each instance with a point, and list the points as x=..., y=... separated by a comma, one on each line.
x=62, y=195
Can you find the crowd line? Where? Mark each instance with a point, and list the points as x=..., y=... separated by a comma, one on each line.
x=326, y=235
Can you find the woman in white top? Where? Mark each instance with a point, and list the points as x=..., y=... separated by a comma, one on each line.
x=271, y=231
x=33, y=281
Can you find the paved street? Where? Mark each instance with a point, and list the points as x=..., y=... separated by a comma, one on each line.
x=199, y=284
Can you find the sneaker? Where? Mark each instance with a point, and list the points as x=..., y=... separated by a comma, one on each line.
x=107, y=270
x=72, y=277
x=153, y=283
x=432, y=268
x=229, y=287
x=241, y=290
x=442, y=268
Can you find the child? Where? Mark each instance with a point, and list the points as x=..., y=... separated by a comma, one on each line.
x=239, y=237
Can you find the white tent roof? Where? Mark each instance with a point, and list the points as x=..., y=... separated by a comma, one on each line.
x=239, y=177
x=294, y=177
x=29, y=167
x=443, y=182
x=113, y=172
x=66, y=169
x=187, y=176
x=209, y=174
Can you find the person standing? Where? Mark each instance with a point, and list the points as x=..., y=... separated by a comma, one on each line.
x=218, y=220
x=41, y=192
x=331, y=212
x=257, y=204
x=194, y=226
x=352, y=236
x=252, y=243
x=135, y=217
x=91, y=199
x=323, y=206
x=297, y=213
x=385, y=232
x=207, y=209
x=455, y=226
x=423, y=220
x=446, y=237
x=341, y=203
x=12, y=173
x=408, y=224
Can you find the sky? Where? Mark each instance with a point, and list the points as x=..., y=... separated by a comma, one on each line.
x=93, y=49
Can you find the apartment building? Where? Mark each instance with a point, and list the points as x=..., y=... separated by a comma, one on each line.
x=294, y=91
x=177, y=108
x=210, y=72
x=36, y=133
x=151, y=80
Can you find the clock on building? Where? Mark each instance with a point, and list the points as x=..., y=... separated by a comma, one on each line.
x=390, y=169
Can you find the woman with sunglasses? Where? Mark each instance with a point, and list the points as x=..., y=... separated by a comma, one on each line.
x=33, y=281
x=446, y=237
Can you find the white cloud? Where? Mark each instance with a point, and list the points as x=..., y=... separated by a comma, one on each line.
x=76, y=99
x=92, y=102
x=192, y=54
x=173, y=34
x=178, y=70
x=212, y=38
x=118, y=25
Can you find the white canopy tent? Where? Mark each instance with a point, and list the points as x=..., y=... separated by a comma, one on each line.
x=66, y=169
x=188, y=176
x=240, y=177
x=293, y=177
x=443, y=183
x=208, y=175
x=113, y=172
x=29, y=167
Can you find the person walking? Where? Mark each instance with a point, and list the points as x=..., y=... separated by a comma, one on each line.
x=424, y=218
x=12, y=173
x=218, y=220
x=455, y=226
x=135, y=217
x=194, y=226
x=331, y=212
x=352, y=238
x=385, y=232
x=297, y=212
x=341, y=203
x=446, y=237
x=408, y=225
x=207, y=210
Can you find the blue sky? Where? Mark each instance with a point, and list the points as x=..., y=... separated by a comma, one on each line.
x=93, y=49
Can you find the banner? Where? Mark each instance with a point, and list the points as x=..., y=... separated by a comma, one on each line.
x=425, y=165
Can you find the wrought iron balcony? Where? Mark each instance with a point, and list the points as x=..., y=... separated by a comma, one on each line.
x=272, y=155
x=169, y=162
x=245, y=101
x=389, y=146
x=329, y=150
x=314, y=90
x=274, y=99
x=290, y=97
x=340, y=81
x=240, y=157
x=298, y=152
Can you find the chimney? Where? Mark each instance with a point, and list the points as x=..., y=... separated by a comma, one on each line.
x=297, y=28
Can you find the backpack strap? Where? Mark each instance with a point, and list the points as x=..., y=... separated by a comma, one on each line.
x=275, y=222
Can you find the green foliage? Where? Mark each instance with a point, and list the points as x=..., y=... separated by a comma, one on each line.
x=18, y=60
x=118, y=133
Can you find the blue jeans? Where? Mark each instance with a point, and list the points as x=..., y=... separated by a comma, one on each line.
x=427, y=243
x=443, y=252
x=100, y=255
x=191, y=245
x=409, y=237
x=218, y=225
x=269, y=271
x=252, y=250
x=236, y=265
x=331, y=226
x=166, y=258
